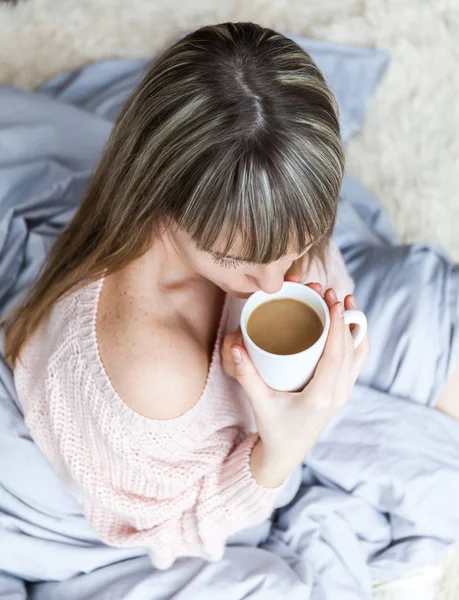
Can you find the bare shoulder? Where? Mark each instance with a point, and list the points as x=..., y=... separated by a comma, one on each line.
x=155, y=366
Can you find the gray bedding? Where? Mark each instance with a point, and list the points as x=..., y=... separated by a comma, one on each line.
x=377, y=495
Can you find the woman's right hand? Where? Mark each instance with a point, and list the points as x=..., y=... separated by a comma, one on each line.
x=289, y=423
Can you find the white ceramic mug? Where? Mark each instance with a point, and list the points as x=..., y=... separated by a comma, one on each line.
x=292, y=372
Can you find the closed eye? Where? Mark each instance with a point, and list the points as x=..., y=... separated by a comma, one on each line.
x=228, y=263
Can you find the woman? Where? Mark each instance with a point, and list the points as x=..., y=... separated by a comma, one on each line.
x=221, y=177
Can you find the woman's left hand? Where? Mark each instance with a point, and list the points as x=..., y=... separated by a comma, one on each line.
x=236, y=338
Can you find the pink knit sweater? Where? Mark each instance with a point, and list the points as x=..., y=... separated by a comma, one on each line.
x=178, y=487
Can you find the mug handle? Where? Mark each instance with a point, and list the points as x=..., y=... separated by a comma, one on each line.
x=356, y=317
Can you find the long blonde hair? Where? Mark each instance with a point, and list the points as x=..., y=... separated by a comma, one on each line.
x=232, y=132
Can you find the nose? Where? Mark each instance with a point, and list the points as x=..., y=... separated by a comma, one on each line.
x=269, y=283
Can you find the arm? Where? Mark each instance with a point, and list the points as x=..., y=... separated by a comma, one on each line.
x=196, y=522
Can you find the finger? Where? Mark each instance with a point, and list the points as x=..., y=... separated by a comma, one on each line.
x=230, y=339
x=330, y=365
x=350, y=303
x=330, y=298
x=235, y=337
x=294, y=278
x=227, y=359
x=317, y=287
x=249, y=379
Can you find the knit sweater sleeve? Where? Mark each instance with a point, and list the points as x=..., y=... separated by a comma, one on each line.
x=195, y=522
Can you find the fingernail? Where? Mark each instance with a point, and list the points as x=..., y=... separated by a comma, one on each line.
x=236, y=355
x=353, y=302
x=333, y=296
x=340, y=310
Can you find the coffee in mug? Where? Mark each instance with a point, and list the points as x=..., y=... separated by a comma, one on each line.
x=284, y=326
x=291, y=370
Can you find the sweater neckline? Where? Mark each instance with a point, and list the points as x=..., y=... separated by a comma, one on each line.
x=87, y=308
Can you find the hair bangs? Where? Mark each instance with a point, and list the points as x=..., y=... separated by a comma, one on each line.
x=255, y=216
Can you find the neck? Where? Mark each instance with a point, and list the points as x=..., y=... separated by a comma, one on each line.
x=163, y=267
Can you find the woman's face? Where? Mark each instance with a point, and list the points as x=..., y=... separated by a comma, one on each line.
x=234, y=276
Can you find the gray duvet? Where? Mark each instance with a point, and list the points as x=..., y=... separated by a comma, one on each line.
x=376, y=496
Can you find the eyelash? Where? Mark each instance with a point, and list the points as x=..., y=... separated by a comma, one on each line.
x=228, y=263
